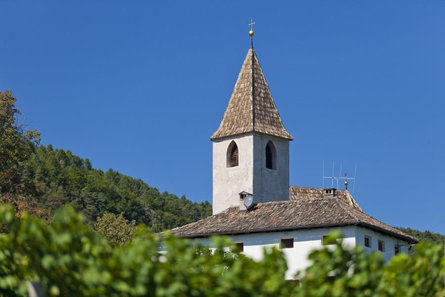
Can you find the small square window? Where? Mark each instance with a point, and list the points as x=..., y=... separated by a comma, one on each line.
x=381, y=245
x=240, y=246
x=396, y=249
x=367, y=241
x=286, y=243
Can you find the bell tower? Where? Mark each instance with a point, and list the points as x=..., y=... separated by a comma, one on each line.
x=251, y=145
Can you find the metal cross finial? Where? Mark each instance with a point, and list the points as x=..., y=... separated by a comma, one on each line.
x=251, y=24
x=251, y=33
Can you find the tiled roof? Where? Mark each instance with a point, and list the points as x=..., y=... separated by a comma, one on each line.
x=307, y=208
x=251, y=107
x=296, y=193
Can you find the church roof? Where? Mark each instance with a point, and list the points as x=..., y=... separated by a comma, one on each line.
x=307, y=208
x=251, y=107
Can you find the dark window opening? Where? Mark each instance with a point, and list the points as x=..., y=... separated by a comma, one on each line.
x=381, y=246
x=367, y=241
x=271, y=156
x=240, y=246
x=286, y=243
x=232, y=155
x=396, y=249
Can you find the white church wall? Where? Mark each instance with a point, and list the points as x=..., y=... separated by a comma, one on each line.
x=297, y=257
x=307, y=240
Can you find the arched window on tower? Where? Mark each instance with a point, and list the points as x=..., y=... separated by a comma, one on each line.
x=271, y=156
x=232, y=155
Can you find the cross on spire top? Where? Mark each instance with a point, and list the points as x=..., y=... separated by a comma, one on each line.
x=251, y=27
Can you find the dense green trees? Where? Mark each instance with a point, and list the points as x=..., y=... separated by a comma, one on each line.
x=16, y=145
x=70, y=259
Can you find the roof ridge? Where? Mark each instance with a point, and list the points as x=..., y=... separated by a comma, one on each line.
x=376, y=219
x=277, y=202
x=316, y=188
x=347, y=210
x=252, y=95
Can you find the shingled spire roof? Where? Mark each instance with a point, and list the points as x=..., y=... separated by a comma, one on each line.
x=251, y=107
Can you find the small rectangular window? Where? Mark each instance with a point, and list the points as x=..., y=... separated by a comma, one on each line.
x=286, y=243
x=240, y=246
x=381, y=245
x=396, y=249
x=367, y=241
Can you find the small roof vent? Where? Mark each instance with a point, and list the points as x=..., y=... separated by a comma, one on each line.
x=330, y=192
x=246, y=201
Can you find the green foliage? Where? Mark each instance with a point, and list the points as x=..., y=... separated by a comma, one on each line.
x=70, y=259
x=115, y=228
x=188, y=269
x=340, y=271
x=16, y=145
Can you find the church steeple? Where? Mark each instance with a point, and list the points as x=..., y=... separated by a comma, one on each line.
x=251, y=107
x=251, y=145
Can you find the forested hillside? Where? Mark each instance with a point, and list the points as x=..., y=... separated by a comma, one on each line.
x=39, y=179
x=424, y=235
x=57, y=177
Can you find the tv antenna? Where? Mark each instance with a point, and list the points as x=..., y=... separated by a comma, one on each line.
x=341, y=177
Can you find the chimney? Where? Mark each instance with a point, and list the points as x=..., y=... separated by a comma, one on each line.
x=330, y=192
x=245, y=201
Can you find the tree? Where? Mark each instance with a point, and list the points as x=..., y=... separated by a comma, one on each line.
x=115, y=228
x=16, y=145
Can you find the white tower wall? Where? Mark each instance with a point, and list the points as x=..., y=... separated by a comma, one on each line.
x=251, y=174
x=229, y=181
x=270, y=184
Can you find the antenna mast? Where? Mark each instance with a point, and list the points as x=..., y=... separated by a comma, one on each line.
x=340, y=177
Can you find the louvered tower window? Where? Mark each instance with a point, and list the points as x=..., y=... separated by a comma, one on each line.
x=232, y=155
x=271, y=156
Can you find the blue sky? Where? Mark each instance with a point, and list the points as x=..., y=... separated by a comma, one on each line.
x=140, y=86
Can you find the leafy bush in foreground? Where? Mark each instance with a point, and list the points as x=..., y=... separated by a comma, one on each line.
x=352, y=272
x=70, y=259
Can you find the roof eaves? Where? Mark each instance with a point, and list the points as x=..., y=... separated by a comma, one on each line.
x=406, y=237
x=213, y=137
x=266, y=230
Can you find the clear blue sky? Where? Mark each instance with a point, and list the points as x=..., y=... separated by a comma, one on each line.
x=140, y=86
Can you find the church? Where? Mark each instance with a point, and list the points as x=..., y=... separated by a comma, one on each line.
x=253, y=202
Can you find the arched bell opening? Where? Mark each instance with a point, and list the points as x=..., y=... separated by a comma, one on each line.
x=271, y=156
x=232, y=155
